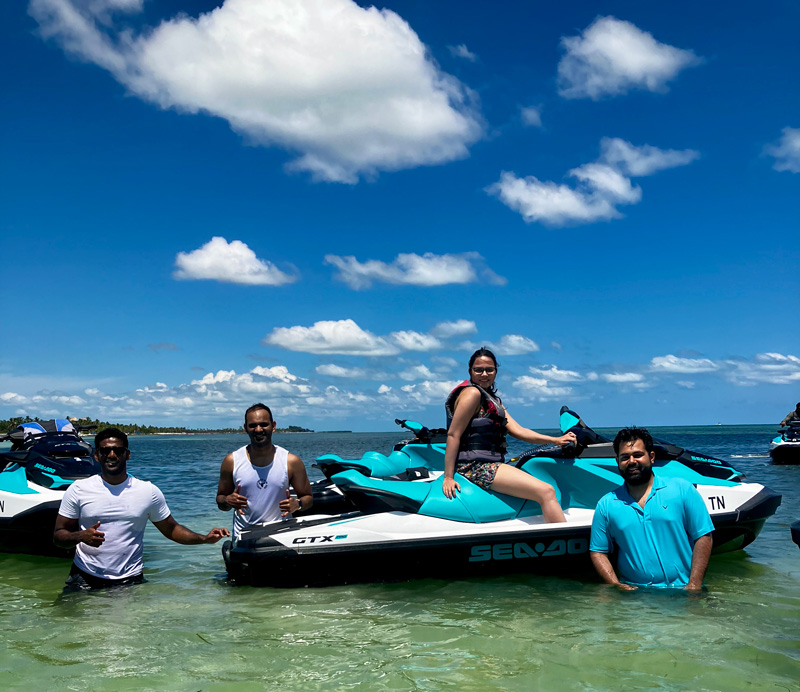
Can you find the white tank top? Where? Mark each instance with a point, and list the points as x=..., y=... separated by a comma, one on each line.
x=263, y=486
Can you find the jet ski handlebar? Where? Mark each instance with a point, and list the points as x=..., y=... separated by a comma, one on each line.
x=421, y=432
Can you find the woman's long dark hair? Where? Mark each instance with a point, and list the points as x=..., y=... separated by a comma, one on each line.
x=486, y=353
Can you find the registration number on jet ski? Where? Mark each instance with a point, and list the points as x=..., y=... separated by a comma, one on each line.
x=510, y=551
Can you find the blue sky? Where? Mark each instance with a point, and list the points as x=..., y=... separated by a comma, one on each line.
x=327, y=206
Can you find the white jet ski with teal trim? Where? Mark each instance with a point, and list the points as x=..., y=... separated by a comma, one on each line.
x=44, y=459
x=405, y=528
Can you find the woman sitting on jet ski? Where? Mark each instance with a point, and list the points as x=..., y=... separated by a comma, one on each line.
x=477, y=423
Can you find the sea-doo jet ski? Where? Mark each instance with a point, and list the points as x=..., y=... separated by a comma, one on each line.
x=406, y=529
x=44, y=459
x=423, y=456
x=785, y=448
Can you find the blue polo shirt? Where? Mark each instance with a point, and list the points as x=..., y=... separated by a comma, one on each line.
x=655, y=542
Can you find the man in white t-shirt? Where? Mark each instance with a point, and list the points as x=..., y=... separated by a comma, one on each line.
x=103, y=517
x=254, y=480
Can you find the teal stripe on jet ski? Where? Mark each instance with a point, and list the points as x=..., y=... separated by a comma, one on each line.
x=58, y=481
x=15, y=481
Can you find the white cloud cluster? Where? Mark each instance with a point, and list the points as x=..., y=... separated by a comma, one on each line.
x=623, y=377
x=461, y=51
x=602, y=185
x=553, y=372
x=515, y=345
x=346, y=337
x=531, y=116
x=612, y=57
x=786, y=151
x=414, y=270
x=350, y=89
x=232, y=262
x=772, y=368
x=331, y=337
x=670, y=363
x=540, y=389
x=446, y=330
x=416, y=372
x=428, y=392
x=220, y=397
x=332, y=370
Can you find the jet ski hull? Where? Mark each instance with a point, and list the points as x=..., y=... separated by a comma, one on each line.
x=31, y=532
x=398, y=546
x=34, y=475
x=785, y=453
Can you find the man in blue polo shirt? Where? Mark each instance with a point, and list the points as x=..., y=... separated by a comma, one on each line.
x=659, y=527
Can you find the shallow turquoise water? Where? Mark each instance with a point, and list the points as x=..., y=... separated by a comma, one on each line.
x=187, y=630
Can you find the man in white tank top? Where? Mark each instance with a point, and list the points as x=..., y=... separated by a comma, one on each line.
x=254, y=480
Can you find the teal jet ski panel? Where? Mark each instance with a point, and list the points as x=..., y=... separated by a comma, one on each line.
x=13, y=479
x=577, y=485
x=472, y=504
x=370, y=464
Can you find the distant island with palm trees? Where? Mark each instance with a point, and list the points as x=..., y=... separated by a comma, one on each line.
x=135, y=429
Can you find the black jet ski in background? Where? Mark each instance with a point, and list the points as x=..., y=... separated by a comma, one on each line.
x=785, y=448
x=44, y=459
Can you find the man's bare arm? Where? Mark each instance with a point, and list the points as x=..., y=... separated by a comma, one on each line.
x=298, y=479
x=67, y=533
x=700, y=556
x=606, y=571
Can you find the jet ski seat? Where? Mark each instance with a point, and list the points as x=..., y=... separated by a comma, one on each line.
x=372, y=464
x=575, y=487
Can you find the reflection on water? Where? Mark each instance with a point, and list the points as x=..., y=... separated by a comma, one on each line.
x=187, y=630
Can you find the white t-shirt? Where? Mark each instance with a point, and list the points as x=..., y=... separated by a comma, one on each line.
x=123, y=511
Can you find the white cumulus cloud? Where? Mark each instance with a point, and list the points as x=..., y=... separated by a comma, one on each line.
x=332, y=370
x=414, y=270
x=415, y=341
x=349, y=90
x=446, y=330
x=232, y=262
x=670, y=363
x=332, y=337
x=643, y=160
x=786, y=151
x=612, y=57
x=770, y=368
x=540, y=388
x=553, y=372
x=623, y=377
x=515, y=345
x=461, y=51
x=531, y=116
x=602, y=185
x=416, y=372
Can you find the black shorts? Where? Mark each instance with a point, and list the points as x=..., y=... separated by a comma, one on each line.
x=80, y=580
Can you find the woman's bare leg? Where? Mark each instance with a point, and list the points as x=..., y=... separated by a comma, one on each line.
x=513, y=481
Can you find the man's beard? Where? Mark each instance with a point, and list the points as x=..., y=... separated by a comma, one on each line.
x=265, y=441
x=638, y=476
